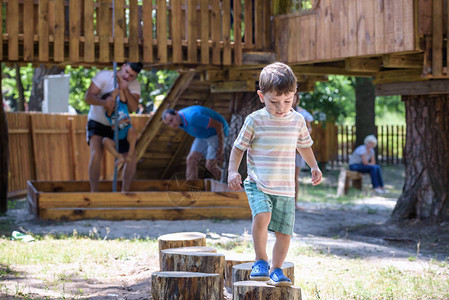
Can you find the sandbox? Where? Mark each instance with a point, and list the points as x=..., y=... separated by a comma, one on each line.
x=147, y=200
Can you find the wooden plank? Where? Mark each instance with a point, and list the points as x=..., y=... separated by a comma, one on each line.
x=120, y=31
x=204, y=31
x=258, y=24
x=352, y=28
x=28, y=31
x=379, y=38
x=13, y=30
x=390, y=40
x=226, y=32
x=74, y=30
x=411, y=61
x=177, y=157
x=191, y=31
x=237, y=32
x=398, y=76
x=315, y=70
x=267, y=24
x=58, y=48
x=89, y=47
x=370, y=65
x=146, y=214
x=413, y=88
x=365, y=33
x=104, y=25
x=324, y=35
x=161, y=31
x=194, y=198
x=409, y=25
x=437, y=38
x=232, y=86
x=335, y=29
x=176, y=31
x=424, y=15
x=216, y=26
x=148, y=30
x=133, y=39
x=249, y=24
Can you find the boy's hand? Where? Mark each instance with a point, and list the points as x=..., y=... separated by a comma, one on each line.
x=234, y=181
x=316, y=175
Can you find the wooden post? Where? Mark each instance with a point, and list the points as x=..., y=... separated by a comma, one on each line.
x=258, y=290
x=4, y=156
x=185, y=285
x=180, y=239
x=241, y=272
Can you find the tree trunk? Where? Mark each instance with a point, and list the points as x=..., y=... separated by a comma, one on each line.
x=258, y=290
x=21, y=100
x=180, y=239
x=4, y=157
x=425, y=194
x=37, y=91
x=364, y=108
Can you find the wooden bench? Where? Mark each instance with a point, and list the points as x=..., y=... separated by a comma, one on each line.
x=345, y=177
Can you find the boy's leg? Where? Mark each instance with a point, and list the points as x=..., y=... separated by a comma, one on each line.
x=280, y=250
x=131, y=138
x=109, y=144
x=96, y=156
x=260, y=234
x=129, y=170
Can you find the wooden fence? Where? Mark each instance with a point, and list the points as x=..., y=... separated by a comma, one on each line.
x=52, y=147
x=390, y=146
x=152, y=31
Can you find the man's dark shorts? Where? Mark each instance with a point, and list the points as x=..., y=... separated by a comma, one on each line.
x=96, y=128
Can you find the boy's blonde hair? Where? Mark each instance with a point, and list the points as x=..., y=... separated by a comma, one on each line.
x=278, y=78
x=370, y=139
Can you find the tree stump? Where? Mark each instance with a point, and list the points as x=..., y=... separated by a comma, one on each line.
x=230, y=261
x=185, y=285
x=258, y=290
x=241, y=272
x=168, y=256
x=180, y=239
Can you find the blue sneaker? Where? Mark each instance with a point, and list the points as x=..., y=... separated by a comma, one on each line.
x=277, y=278
x=260, y=271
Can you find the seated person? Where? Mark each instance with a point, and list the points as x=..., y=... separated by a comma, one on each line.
x=127, y=135
x=363, y=160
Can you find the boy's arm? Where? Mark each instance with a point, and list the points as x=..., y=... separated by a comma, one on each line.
x=234, y=178
x=309, y=157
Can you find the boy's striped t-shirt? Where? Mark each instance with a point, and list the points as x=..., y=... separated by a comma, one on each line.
x=271, y=143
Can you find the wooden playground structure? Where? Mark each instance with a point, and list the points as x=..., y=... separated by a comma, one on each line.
x=220, y=46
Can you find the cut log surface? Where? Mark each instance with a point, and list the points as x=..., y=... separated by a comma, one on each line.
x=186, y=285
x=257, y=290
x=180, y=239
x=232, y=260
x=241, y=272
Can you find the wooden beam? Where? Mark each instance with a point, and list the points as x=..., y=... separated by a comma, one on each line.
x=233, y=86
x=413, y=88
x=369, y=65
x=413, y=61
x=154, y=125
x=319, y=70
x=399, y=76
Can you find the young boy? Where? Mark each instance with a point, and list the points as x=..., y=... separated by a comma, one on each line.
x=272, y=135
x=127, y=135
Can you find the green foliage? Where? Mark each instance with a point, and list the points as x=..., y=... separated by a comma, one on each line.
x=154, y=83
x=9, y=85
x=332, y=100
x=80, y=79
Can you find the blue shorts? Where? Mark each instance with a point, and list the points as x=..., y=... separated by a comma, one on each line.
x=282, y=208
x=207, y=147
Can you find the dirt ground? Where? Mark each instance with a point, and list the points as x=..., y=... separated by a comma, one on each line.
x=359, y=229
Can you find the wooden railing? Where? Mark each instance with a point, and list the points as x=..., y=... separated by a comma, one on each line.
x=390, y=146
x=155, y=32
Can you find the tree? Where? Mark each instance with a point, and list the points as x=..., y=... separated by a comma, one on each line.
x=37, y=92
x=425, y=194
x=364, y=108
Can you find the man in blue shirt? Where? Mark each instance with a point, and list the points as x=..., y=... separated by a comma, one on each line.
x=209, y=129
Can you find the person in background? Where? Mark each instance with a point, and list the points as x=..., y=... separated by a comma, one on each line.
x=299, y=163
x=272, y=136
x=363, y=160
x=98, y=126
x=209, y=129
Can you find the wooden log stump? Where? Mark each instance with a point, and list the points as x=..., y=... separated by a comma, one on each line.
x=180, y=239
x=241, y=272
x=230, y=261
x=185, y=285
x=258, y=290
x=202, y=262
x=168, y=255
